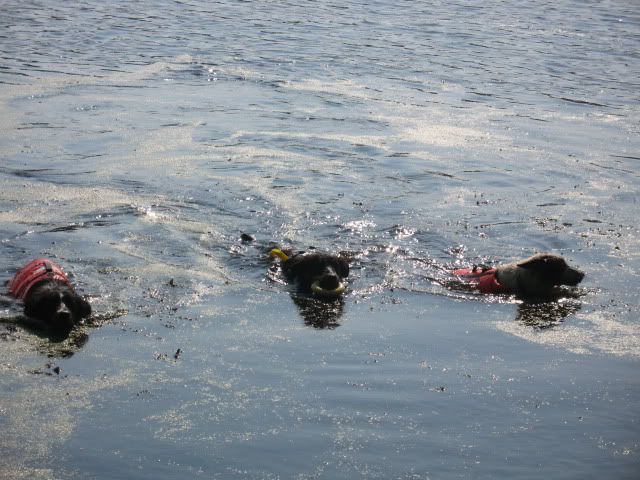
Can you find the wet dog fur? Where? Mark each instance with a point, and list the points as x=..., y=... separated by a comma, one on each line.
x=538, y=276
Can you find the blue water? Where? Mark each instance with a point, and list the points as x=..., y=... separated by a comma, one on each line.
x=139, y=140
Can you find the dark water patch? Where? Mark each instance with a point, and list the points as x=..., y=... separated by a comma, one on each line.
x=129, y=184
x=486, y=225
x=609, y=167
x=27, y=173
x=42, y=173
x=36, y=125
x=75, y=226
x=118, y=86
x=535, y=119
x=18, y=74
x=400, y=154
x=626, y=157
x=87, y=156
x=582, y=102
x=443, y=174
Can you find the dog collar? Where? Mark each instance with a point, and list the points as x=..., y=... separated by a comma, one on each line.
x=485, y=279
x=35, y=272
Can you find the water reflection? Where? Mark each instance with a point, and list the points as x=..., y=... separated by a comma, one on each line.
x=543, y=315
x=54, y=343
x=319, y=313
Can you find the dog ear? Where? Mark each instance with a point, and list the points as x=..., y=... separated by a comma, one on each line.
x=84, y=307
x=342, y=267
x=544, y=263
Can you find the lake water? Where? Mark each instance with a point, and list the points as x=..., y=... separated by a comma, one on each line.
x=140, y=139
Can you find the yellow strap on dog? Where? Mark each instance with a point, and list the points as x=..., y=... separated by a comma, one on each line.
x=276, y=252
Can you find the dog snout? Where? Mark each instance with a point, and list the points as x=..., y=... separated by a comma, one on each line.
x=63, y=309
x=572, y=276
x=63, y=319
x=329, y=280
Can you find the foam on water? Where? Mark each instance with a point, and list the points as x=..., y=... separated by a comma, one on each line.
x=31, y=202
x=588, y=333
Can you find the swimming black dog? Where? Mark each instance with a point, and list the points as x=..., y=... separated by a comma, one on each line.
x=50, y=300
x=535, y=277
x=321, y=274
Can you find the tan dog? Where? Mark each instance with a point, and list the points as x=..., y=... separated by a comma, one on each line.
x=536, y=277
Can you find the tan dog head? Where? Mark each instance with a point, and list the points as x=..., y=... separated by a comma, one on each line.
x=537, y=276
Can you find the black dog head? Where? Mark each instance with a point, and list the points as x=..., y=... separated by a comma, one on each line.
x=55, y=306
x=552, y=269
x=316, y=269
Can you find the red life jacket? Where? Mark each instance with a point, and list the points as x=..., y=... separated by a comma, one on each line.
x=485, y=280
x=35, y=272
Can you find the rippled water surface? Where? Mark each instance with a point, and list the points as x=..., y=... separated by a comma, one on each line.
x=140, y=139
